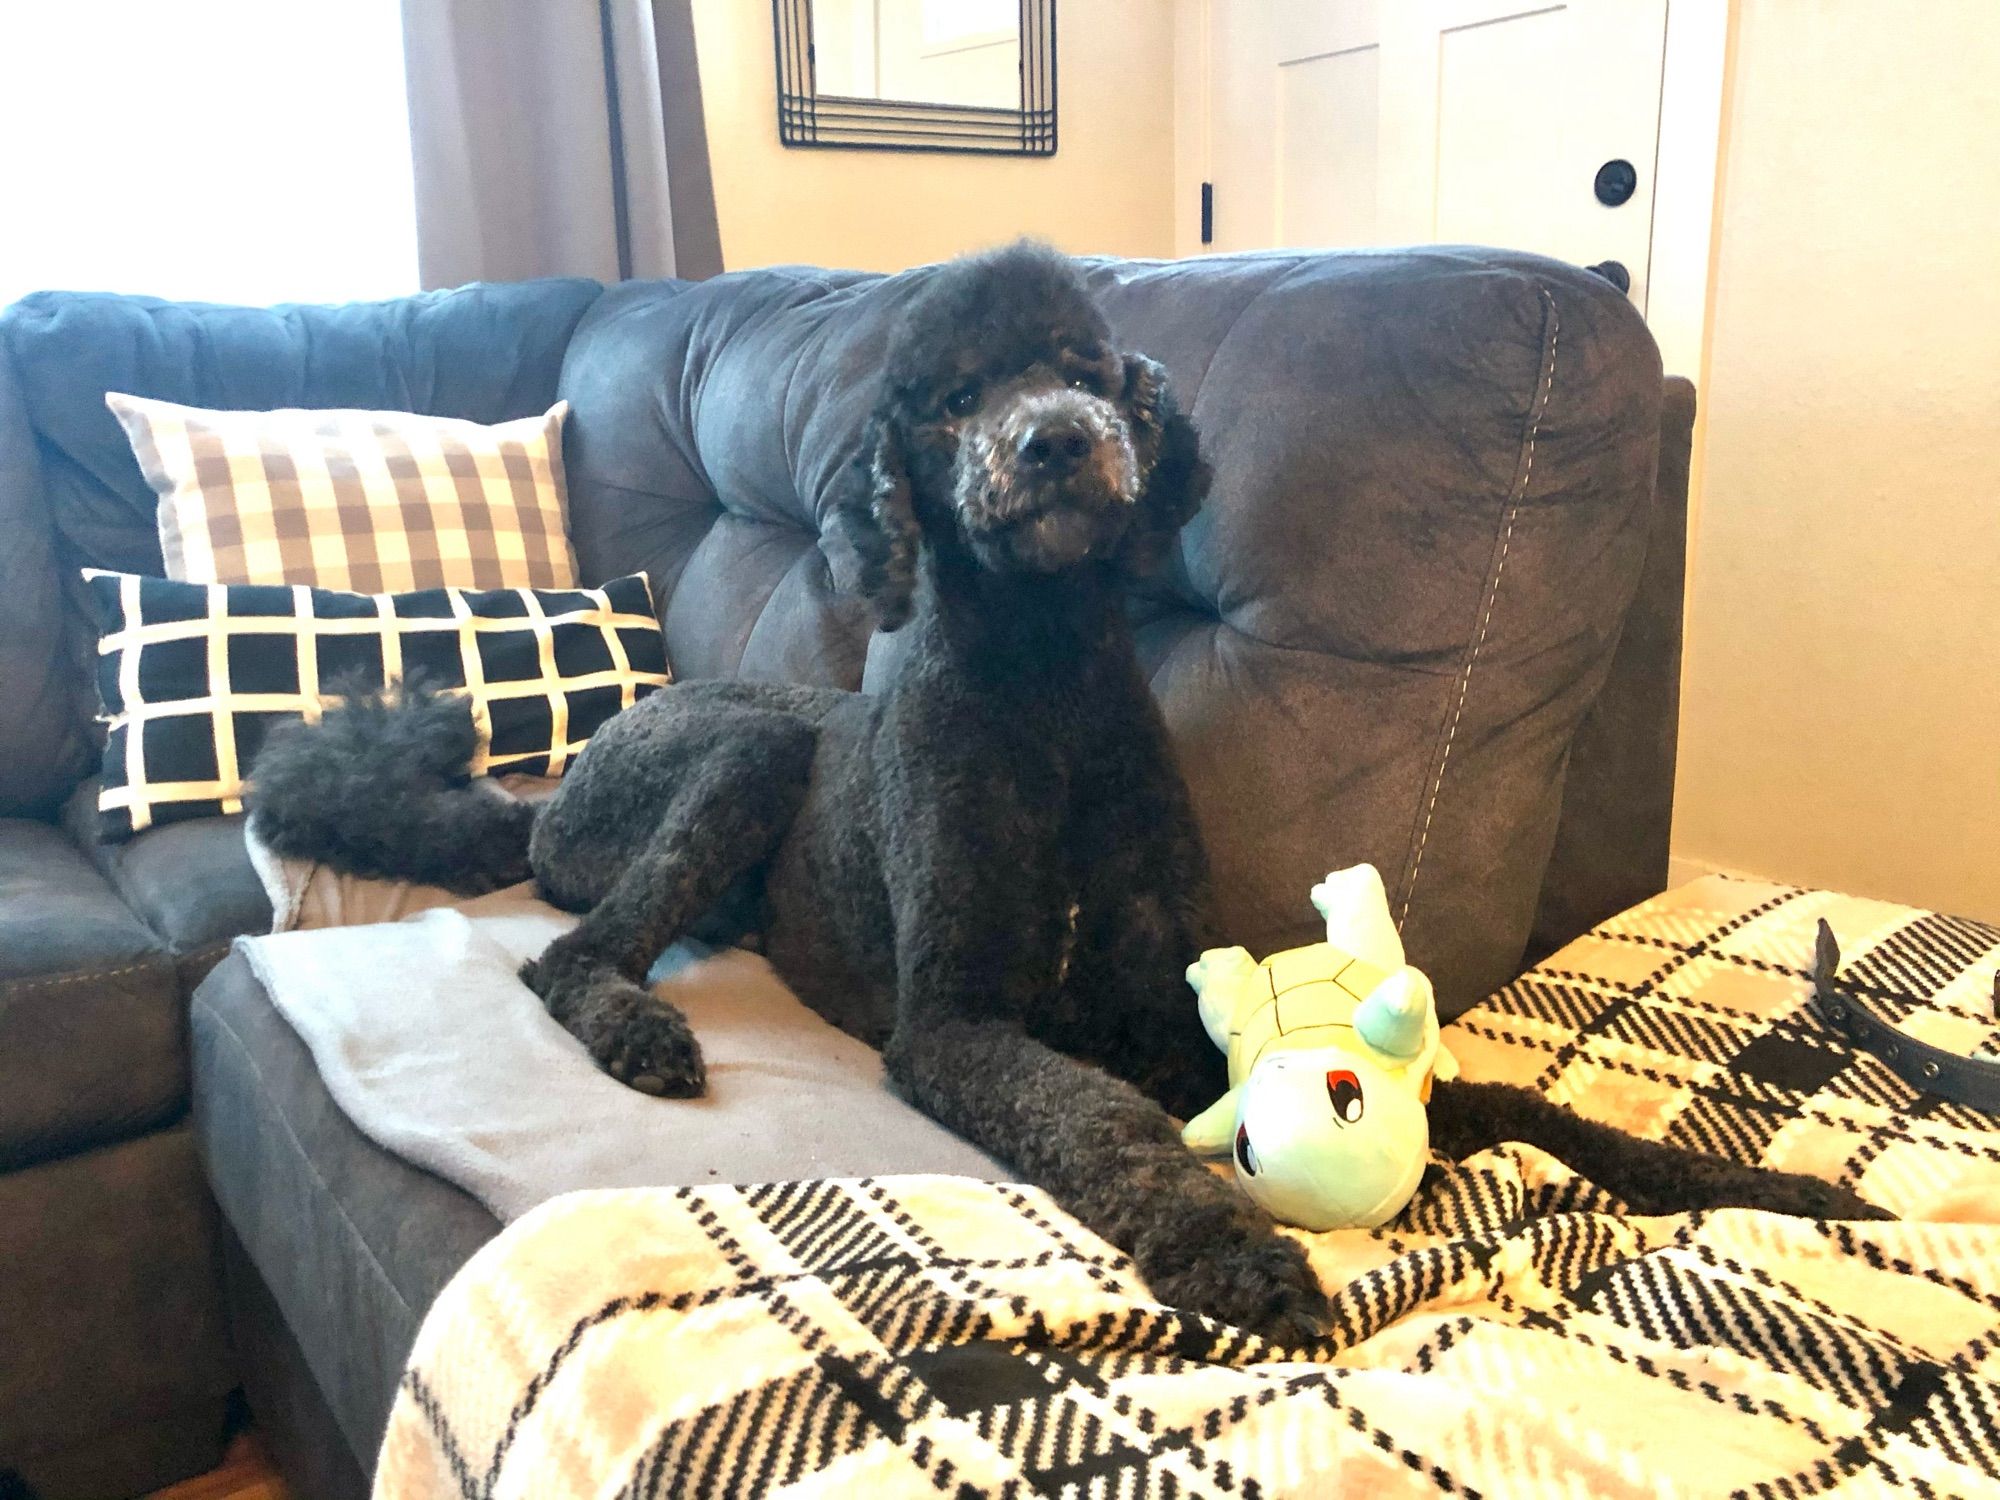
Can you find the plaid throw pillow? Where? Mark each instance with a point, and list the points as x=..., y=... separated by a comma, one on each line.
x=193, y=676
x=373, y=501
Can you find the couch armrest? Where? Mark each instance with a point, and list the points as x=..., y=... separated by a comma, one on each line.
x=92, y=1030
x=1618, y=796
x=43, y=746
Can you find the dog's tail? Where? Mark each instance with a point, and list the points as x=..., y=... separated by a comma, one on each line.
x=380, y=787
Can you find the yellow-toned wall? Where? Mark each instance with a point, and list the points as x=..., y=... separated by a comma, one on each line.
x=1841, y=720
x=1107, y=190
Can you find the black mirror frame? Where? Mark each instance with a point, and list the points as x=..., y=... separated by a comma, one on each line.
x=810, y=119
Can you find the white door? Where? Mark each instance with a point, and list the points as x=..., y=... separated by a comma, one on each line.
x=1533, y=126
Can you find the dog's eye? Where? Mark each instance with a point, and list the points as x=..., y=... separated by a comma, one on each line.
x=962, y=400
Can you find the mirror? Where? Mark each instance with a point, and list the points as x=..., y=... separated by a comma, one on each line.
x=917, y=75
x=926, y=51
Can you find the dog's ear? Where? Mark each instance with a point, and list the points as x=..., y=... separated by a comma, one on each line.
x=1173, y=478
x=881, y=521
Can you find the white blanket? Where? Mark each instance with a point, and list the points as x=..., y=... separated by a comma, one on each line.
x=435, y=1049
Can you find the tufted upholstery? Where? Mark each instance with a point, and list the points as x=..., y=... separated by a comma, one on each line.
x=72, y=493
x=1433, y=471
x=1433, y=476
x=708, y=426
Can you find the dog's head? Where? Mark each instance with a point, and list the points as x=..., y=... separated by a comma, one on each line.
x=1010, y=429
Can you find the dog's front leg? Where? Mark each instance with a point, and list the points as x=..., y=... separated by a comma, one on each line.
x=1111, y=1157
x=975, y=952
x=1143, y=917
x=722, y=820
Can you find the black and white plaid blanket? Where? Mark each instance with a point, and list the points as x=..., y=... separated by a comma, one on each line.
x=1512, y=1334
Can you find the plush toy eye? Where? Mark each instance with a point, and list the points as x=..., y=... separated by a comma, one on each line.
x=962, y=400
x=1243, y=1157
x=1344, y=1089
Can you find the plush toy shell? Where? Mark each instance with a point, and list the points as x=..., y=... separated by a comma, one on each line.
x=1331, y=1056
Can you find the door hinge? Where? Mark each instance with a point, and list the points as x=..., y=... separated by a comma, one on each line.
x=1208, y=213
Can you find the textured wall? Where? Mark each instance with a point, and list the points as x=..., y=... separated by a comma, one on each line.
x=1842, y=715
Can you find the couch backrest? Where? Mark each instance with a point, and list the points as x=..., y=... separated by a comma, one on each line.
x=1434, y=480
x=1434, y=471
x=72, y=496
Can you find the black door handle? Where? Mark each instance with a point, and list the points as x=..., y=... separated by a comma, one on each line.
x=1614, y=272
x=1617, y=180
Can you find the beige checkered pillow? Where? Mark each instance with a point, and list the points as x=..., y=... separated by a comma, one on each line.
x=373, y=502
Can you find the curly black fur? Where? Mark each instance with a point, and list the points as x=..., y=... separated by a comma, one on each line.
x=382, y=781
x=1014, y=338
x=991, y=871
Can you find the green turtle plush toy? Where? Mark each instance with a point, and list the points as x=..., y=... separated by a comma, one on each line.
x=1332, y=1048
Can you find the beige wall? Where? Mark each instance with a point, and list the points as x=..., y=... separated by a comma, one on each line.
x=1108, y=189
x=1842, y=713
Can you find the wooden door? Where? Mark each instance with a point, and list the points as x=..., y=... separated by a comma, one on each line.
x=1382, y=122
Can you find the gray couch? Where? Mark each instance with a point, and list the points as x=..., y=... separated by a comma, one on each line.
x=1430, y=618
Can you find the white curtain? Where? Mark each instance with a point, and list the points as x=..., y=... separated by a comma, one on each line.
x=557, y=137
x=226, y=150
x=336, y=150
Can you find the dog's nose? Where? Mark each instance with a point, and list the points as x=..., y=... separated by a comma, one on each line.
x=1057, y=443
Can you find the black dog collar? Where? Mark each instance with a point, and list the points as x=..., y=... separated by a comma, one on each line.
x=1973, y=1082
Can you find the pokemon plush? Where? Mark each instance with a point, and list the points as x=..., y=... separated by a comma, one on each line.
x=1332, y=1049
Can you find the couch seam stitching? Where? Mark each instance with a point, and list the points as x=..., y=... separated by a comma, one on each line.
x=305, y=1156
x=25, y=986
x=219, y=947
x=1546, y=388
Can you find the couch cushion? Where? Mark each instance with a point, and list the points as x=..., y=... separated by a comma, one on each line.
x=352, y=1242
x=1433, y=470
x=114, y=1361
x=375, y=502
x=191, y=882
x=91, y=1036
x=484, y=353
x=194, y=677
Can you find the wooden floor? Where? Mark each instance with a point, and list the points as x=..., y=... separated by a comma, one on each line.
x=247, y=1473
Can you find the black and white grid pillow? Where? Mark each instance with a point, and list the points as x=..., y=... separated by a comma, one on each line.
x=194, y=675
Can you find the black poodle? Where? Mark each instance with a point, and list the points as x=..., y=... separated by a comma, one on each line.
x=991, y=870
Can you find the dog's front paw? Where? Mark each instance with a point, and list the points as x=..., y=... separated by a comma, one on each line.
x=1260, y=1281
x=636, y=1037
x=651, y=1049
